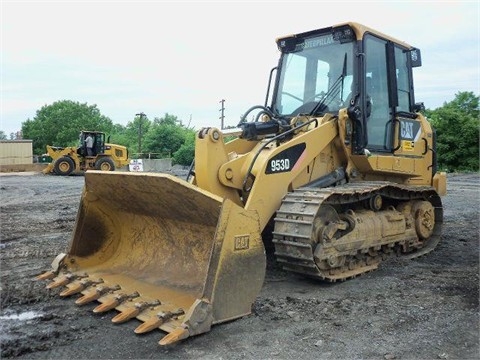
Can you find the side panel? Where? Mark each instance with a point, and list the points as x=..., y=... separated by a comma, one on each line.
x=269, y=186
x=411, y=161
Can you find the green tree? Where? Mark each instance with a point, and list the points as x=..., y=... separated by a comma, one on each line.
x=165, y=137
x=457, y=126
x=186, y=153
x=132, y=135
x=129, y=135
x=3, y=136
x=59, y=124
x=118, y=135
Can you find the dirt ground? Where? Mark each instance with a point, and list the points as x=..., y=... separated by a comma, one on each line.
x=426, y=308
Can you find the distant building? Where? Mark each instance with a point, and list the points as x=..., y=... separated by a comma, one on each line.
x=16, y=152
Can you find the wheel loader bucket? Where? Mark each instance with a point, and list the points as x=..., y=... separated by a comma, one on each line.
x=158, y=249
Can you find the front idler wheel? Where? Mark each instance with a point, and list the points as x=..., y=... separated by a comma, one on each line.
x=424, y=217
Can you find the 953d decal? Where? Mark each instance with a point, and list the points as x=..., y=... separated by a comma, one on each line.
x=286, y=160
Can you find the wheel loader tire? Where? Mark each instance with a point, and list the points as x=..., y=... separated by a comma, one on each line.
x=105, y=164
x=64, y=166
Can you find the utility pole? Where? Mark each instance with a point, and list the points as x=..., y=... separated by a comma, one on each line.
x=189, y=121
x=142, y=115
x=222, y=117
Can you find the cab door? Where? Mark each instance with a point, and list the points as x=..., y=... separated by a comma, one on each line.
x=391, y=121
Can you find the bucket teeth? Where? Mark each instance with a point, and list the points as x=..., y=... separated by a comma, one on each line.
x=126, y=315
x=113, y=302
x=47, y=275
x=178, y=334
x=149, y=325
x=72, y=289
x=156, y=321
x=60, y=281
x=64, y=280
x=134, y=311
x=56, y=265
x=76, y=287
x=97, y=293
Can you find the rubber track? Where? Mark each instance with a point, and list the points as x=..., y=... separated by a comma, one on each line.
x=293, y=244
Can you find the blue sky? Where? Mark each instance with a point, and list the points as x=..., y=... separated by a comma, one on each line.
x=183, y=57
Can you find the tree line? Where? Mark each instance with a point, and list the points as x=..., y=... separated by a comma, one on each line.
x=456, y=123
x=60, y=123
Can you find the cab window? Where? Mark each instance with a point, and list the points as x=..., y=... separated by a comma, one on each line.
x=376, y=90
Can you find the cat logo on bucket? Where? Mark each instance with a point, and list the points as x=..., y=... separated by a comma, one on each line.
x=242, y=242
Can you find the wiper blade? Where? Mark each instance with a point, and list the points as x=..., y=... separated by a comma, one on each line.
x=333, y=91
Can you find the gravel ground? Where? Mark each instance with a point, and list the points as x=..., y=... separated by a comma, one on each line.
x=426, y=308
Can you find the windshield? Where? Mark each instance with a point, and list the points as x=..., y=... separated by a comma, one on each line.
x=320, y=73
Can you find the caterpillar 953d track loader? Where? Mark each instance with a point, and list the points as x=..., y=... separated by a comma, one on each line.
x=339, y=165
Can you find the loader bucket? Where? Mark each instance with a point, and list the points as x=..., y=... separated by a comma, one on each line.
x=163, y=251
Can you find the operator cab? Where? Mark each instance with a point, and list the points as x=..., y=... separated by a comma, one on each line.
x=98, y=143
x=348, y=67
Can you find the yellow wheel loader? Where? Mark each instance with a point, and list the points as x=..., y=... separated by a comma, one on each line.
x=104, y=156
x=338, y=166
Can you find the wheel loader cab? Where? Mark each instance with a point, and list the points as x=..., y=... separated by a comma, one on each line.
x=82, y=148
x=98, y=143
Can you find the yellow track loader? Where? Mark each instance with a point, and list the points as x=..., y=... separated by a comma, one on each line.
x=338, y=166
x=104, y=156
